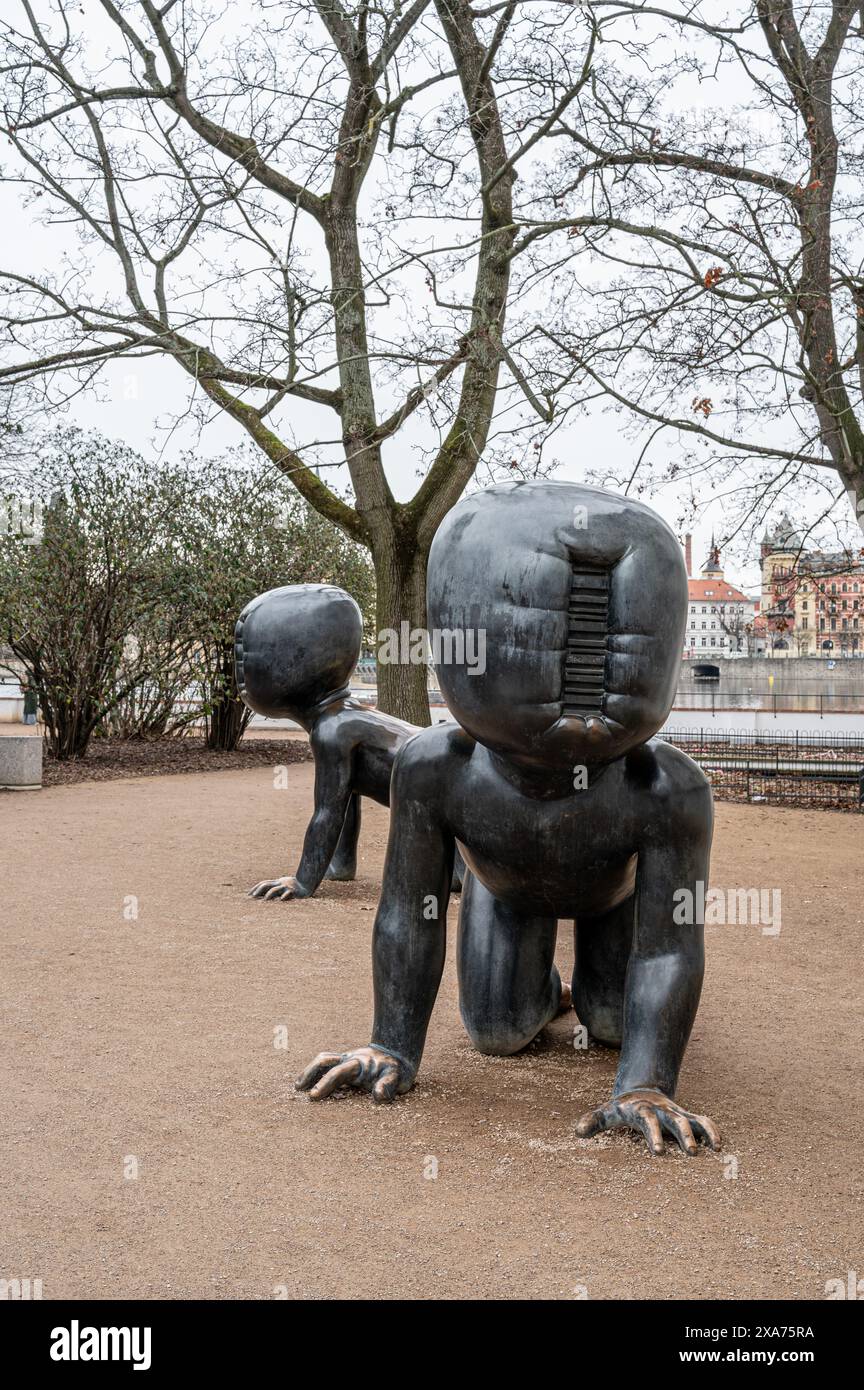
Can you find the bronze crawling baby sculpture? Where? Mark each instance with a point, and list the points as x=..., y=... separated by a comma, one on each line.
x=561, y=801
x=295, y=650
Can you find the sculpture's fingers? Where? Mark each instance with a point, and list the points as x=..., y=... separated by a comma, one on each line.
x=316, y=1069
x=261, y=888
x=676, y=1124
x=342, y=1075
x=643, y=1118
x=706, y=1130
x=384, y=1090
x=592, y=1122
x=279, y=890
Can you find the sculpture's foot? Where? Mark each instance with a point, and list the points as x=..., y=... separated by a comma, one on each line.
x=566, y=1002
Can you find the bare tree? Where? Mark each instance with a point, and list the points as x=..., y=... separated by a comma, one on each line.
x=707, y=207
x=215, y=163
x=731, y=619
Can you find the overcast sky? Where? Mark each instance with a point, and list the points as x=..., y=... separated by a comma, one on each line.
x=146, y=404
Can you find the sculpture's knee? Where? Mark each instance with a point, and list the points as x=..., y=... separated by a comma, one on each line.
x=498, y=1040
x=603, y=1019
x=500, y=1023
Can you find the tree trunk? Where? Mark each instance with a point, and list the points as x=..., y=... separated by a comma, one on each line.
x=227, y=715
x=810, y=84
x=401, y=599
x=226, y=724
x=69, y=727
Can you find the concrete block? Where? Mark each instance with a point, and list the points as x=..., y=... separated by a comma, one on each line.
x=21, y=762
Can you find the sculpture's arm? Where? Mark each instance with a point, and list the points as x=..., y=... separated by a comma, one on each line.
x=334, y=771
x=408, y=943
x=664, y=981
x=667, y=963
x=333, y=777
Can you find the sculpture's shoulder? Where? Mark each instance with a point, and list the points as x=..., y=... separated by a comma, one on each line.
x=432, y=758
x=340, y=729
x=667, y=772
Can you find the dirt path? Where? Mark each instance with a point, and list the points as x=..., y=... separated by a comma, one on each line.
x=151, y=1042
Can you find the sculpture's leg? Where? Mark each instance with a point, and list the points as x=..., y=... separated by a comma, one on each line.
x=602, y=950
x=508, y=986
x=343, y=865
x=459, y=872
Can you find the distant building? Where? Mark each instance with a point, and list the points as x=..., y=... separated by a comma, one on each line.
x=830, y=608
x=719, y=615
x=774, y=626
x=812, y=602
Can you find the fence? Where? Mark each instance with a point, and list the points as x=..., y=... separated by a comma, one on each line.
x=782, y=767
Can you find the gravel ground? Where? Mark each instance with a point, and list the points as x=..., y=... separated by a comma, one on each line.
x=151, y=1144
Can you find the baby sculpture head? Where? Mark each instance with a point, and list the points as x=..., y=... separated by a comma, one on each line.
x=295, y=647
x=581, y=596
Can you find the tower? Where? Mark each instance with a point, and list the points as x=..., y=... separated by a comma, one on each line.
x=712, y=569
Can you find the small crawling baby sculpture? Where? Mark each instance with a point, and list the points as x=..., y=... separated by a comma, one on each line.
x=295, y=649
x=559, y=801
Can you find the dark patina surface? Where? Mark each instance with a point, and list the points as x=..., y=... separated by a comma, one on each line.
x=559, y=800
x=295, y=650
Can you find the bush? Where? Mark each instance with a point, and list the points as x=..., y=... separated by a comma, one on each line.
x=122, y=609
x=73, y=592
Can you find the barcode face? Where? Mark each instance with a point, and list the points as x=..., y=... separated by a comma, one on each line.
x=238, y=654
x=585, y=663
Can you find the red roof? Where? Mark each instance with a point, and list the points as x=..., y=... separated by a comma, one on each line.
x=699, y=589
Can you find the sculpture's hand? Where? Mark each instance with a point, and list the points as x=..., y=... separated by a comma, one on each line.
x=367, y=1069
x=654, y=1115
x=282, y=888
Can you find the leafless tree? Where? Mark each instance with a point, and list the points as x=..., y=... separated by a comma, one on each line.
x=215, y=163
x=731, y=619
x=707, y=209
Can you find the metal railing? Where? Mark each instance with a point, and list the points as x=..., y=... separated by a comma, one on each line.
x=756, y=740
x=784, y=767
